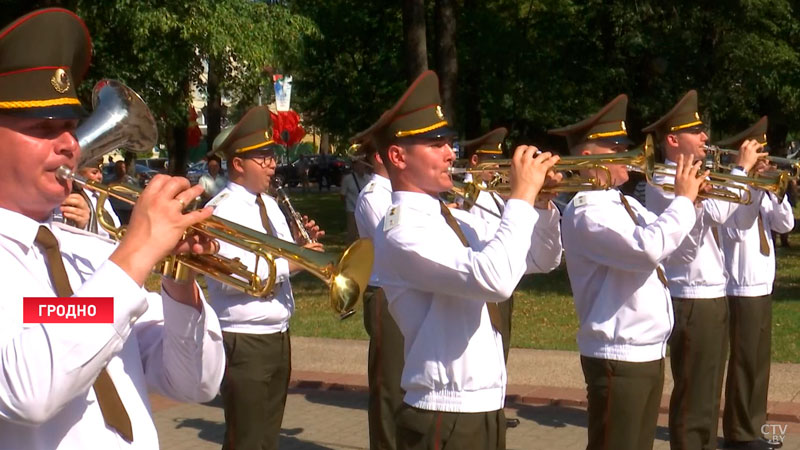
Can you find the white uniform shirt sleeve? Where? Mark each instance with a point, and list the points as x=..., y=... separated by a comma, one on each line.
x=182, y=352
x=44, y=366
x=616, y=241
x=779, y=214
x=545, y=254
x=438, y=262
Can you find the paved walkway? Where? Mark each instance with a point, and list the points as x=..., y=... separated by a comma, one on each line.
x=326, y=408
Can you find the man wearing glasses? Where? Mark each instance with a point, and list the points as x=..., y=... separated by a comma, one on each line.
x=255, y=330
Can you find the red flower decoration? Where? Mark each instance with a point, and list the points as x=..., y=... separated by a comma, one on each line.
x=286, y=129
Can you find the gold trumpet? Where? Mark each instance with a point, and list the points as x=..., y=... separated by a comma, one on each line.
x=640, y=160
x=346, y=277
x=725, y=187
x=717, y=155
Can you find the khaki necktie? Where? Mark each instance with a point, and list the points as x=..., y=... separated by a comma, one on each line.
x=107, y=397
x=262, y=208
x=715, y=233
x=628, y=208
x=498, y=203
x=762, y=237
x=494, y=310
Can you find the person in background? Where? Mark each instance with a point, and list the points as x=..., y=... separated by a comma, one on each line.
x=213, y=180
x=352, y=184
x=92, y=172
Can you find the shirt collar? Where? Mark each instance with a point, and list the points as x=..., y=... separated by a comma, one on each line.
x=382, y=181
x=600, y=195
x=20, y=228
x=417, y=200
x=239, y=190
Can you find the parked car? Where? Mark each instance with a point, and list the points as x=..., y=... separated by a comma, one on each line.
x=289, y=175
x=157, y=164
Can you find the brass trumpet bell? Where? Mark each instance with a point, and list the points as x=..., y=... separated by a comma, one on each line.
x=347, y=276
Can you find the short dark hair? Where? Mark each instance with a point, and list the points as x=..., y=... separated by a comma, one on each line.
x=214, y=158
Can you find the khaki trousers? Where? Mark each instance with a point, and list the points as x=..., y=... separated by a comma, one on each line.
x=384, y=369
x=623, y=402
x=254, y=389
x=698, y=347
x=748, y=368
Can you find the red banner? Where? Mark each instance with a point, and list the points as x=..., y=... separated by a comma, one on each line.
x=68, y=310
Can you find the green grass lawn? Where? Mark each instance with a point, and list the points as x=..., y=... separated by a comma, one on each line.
x=544, y=316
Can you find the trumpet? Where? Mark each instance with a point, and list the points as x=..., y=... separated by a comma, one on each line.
x=347, y=278
x=717, y=157
x=640, y=160
x=294, y=218
x=725, y=187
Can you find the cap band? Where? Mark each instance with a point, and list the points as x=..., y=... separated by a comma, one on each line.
x=607, y=134
x=39, y=103
x=686, y=125
x=441, y=124
x=252, y=147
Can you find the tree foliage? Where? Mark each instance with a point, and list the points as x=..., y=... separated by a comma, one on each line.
x=529, y=65
x=533, y=65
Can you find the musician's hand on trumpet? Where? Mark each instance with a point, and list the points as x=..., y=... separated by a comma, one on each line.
x=749, y=154
x=688, y=183
x=544, y=199
x=529, y=172
x=157, y=228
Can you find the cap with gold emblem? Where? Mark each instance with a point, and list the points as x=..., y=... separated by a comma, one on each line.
x=417, y=114
x=44, y=55
x=252, y=133
x=607, y=125
x=757, y=132
x=488, y=146
x=682, y=117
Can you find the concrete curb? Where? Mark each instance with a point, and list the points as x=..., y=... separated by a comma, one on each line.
x=784, y=412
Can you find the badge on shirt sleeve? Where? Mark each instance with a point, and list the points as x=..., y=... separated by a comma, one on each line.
x=370, y=187
x=580, y=201
x=392, y=218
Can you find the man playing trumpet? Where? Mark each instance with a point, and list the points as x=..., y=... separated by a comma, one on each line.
x=614, y=249
x=750, y=264
x=79, y=385
x=699, y=340
x=444, y=273
x=489, y=206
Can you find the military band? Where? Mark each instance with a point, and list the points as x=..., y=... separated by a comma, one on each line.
x=691, y=270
